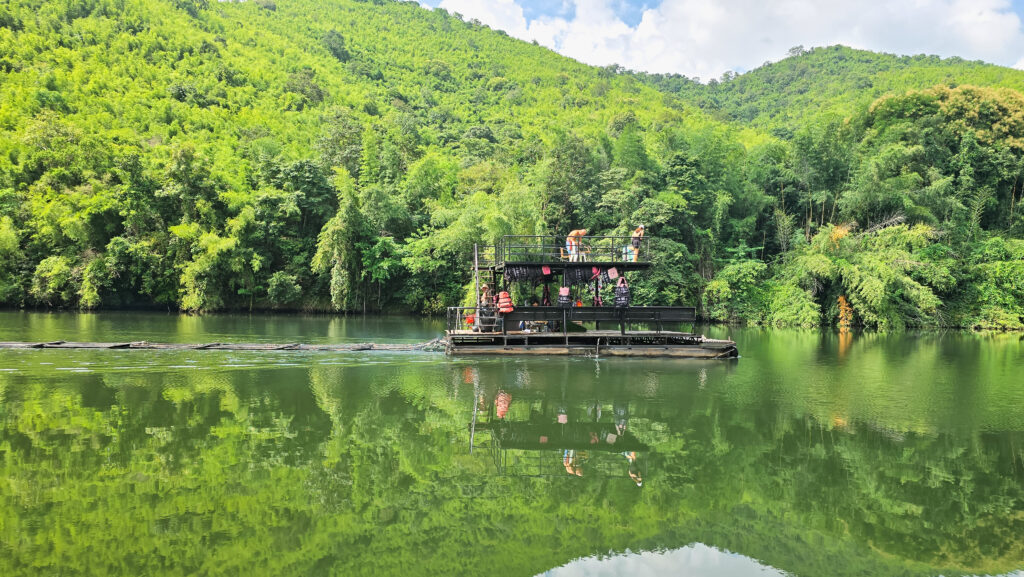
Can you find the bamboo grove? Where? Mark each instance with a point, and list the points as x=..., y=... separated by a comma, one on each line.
x=346, y=155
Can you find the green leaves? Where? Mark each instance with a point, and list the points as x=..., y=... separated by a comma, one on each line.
x=149, y=156
x=737, y=292
x=54, y=281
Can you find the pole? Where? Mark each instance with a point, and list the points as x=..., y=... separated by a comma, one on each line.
x=476, y=285
x=476, y=405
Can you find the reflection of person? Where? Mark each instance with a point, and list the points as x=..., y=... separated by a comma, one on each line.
x=635, y=240
x=621, y=410
x=571, y=463
x=633, y=470
x=501, y=404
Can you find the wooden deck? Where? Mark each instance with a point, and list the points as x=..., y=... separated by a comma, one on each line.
x=590, y=343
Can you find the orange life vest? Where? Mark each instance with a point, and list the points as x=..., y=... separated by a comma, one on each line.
x=504, y=302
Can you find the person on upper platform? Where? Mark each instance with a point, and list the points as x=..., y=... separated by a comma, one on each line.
x=572, y=243
x=638, y=234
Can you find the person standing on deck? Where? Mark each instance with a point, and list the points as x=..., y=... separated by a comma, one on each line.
x=635, y=240
x=483, y=308
x=572, y=243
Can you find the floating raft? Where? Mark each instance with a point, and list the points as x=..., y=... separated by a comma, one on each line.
x=594, y=343
x=433, y=345
x=590, y=343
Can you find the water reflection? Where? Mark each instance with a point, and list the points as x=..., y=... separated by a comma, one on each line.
x=893, y=460
x=535, y=434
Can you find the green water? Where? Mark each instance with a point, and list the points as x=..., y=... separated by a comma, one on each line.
x=811, y=455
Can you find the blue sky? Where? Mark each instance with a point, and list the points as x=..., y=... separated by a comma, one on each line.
x=705, y=38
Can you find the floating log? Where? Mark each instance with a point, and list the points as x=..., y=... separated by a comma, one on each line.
x=591, y=343
x=432, y=345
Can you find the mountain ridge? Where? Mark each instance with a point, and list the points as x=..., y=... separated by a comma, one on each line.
x=347, y=155
x=791, y=90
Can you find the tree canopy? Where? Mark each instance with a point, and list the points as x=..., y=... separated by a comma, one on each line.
x=346, y=155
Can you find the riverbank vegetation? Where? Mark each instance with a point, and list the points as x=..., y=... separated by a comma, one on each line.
x=346, y=156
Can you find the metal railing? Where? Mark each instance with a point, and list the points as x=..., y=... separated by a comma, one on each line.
x=489, y=321
x=550, y=248
x=487, y=254
x=485, y=319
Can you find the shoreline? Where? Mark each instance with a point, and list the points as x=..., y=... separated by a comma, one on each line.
x=409, y=314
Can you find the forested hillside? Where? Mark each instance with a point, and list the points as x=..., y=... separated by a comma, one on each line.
x=346, y=155
x=779, y=97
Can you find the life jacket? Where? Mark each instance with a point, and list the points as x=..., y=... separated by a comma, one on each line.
x=504, y=302
x=564, y=300
x=501, y=404
x=622, y=296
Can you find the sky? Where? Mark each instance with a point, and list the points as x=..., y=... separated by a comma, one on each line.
x=705, y=38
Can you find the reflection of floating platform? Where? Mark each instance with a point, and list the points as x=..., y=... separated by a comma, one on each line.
x=591, y=343
x=537, y=436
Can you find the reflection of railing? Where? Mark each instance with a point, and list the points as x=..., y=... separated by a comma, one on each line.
x=551, y=463
x=556, y=447
x=539, y=249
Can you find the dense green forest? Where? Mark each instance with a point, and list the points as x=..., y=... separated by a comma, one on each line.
x=346, y=155
x=779, y=97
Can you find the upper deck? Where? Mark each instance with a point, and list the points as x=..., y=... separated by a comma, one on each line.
x=551, y=251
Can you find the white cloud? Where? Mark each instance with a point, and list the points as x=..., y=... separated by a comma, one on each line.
x=505, y=15
x=707, y=37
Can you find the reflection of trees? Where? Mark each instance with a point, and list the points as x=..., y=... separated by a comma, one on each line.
x=366, y=472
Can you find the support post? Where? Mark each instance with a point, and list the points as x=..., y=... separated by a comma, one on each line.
x=476, y=405
x=476, y=287
x=476, y=278
x=565, y=326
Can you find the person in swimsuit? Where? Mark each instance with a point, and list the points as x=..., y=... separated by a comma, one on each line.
x=572, y=243
x=635, y=241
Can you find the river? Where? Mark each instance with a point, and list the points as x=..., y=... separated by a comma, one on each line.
x=813, y=454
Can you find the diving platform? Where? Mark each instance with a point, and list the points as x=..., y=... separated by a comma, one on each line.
x=593, y=344
x=635, y=332
x=587, y=270
x=551, y=252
